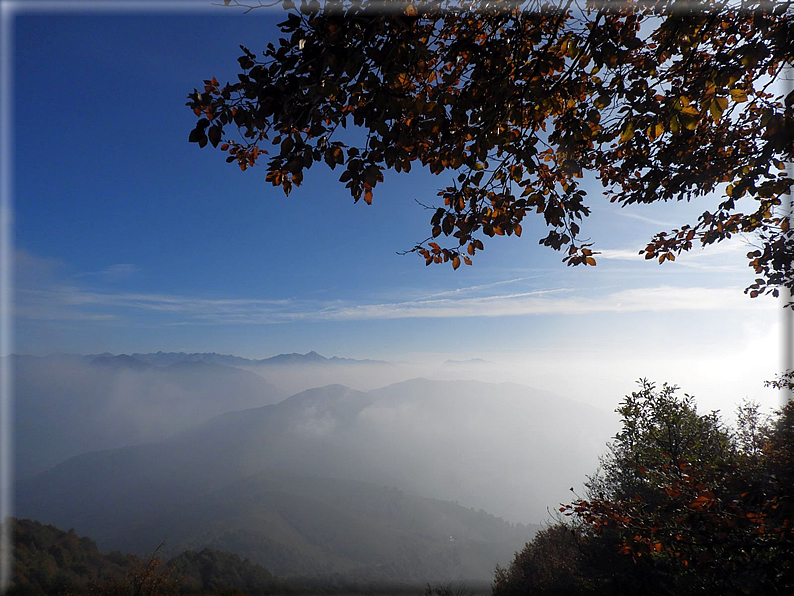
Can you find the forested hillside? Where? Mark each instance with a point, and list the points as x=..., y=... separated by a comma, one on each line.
x=683, y=504
x=49, y=561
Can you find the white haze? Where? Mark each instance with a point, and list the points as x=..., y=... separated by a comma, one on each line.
x=505, y=459
x=514, y=451
x=67, y=405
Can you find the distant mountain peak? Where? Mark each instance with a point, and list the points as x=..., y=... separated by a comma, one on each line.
x=121, y=361
x=313, y=358
x=165, y=359
x=295, y=356
x=469, y=361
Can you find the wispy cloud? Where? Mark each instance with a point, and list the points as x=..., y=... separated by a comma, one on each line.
x=114, y=272
x=552, y=302
x=480, y=287
x=726, y=256
x=619, y=254
x=45, y=296
x=52, y=300
x=75, y=304
x=651, y=220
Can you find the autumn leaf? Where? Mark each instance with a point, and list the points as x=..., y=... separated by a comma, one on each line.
x=627, y=133
x=515, y=109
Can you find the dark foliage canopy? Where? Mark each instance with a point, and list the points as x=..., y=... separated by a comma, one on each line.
x=516, y=101
x=696, y=507
x=681, y=505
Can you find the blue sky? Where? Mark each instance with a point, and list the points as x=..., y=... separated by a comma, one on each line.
x=128, y=238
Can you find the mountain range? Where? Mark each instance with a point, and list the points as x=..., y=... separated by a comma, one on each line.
x=391, y=483
x=165, y=358
x=67, y=405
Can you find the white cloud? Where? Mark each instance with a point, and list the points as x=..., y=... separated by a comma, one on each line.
x=114, y=272
x=550, y=302
x=73, y=303
x=58, y=298
x=34, y=271
x=651, y=220
x=619, y=254
x=459, y=291
x=725, y=256
x=43, y=295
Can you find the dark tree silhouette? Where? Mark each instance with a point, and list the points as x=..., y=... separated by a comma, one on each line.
x=661, y=100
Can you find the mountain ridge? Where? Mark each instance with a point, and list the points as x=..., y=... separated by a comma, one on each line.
x=293, y=358
x=260, y=481
x=434, y=437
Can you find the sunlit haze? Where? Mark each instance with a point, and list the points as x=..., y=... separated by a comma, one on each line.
x=200, y=358
x=129, y=239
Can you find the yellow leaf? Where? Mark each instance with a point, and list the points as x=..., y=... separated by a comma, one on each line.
x=659, y=129
x=627, y=132
x=690, y=110
x=717, y=107
x=738, y=95
x=689, y=122
x=655, y=131
x=590, y=261
x=456, y=262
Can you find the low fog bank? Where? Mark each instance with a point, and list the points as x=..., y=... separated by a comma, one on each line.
x=65, y=405
x=294, y=378
x=509, y=449
x=506, y=448
x=602, y=377
x=215, y=457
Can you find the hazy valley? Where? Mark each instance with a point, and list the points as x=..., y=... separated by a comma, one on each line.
x=418, y=480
